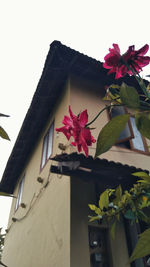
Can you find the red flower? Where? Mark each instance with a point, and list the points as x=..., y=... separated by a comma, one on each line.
x=135, y=59
x=75, y=126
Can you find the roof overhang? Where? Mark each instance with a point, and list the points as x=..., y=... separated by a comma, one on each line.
x=108, y=173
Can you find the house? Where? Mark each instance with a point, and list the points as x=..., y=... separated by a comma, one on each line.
x=48, y=224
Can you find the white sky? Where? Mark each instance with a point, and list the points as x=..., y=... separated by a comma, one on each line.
x=28, y=27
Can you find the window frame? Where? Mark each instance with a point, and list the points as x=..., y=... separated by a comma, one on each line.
x=130, y=139
x=20, y=193
x=146, y=150
x=45, y=146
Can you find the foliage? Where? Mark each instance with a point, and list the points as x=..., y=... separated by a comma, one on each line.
x=132, y=205
x=143, y=246
x=3, y=133
x=124, y=95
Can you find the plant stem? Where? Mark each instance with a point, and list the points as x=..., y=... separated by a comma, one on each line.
x=101, y=112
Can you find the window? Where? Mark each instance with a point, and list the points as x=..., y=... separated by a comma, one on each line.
x=47, y=146
x=130, y=136
x=20, y=191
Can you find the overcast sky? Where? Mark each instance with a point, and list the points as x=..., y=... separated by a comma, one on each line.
x=27, y=27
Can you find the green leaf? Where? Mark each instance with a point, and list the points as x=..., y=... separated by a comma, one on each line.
x=92, y=207
x=141, y=174
x=142, y=216
x=142, y=248
x=3, y=134
x=143, y=124
x=110, y=133
x=118, y=193
x=95, y=218
x=144, y=176
x=114, y=86
x=113, y=229
x=113, y=93
x=104, y=200
x=3, y=115
x=113, y=89
x=111, y=191
x=129, y=96
x=144, y=181
x=98, y=211
x=129, y=215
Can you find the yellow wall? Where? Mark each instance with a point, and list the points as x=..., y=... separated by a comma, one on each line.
x=41, y=237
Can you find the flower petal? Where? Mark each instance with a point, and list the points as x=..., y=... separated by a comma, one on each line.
x=67, y=121
x=135, y=59
x=143, y=50
x=83, y=118
x=65, y=131
x=116, y=47
x=71, y=114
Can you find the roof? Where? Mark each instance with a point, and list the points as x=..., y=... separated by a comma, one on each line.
x=108, y=173
x=61, y=61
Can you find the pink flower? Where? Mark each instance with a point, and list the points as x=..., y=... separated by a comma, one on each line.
x=75, y=126
x=135, y=59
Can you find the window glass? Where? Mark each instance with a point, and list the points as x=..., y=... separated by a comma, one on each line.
x=50, y=140
x=137, y=141
x=47, y=146
x=44, y=150
x=20, y=192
